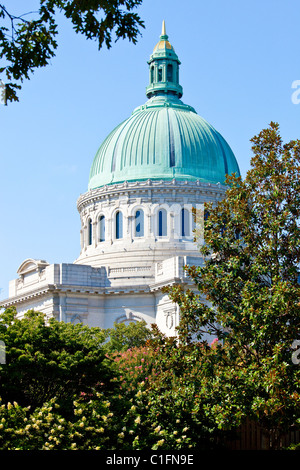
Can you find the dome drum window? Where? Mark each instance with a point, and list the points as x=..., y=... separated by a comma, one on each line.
x=185, y=223
x=119, y=225
x=162, y=223
x=101, y=228
x=90, y=232
x=139, y=223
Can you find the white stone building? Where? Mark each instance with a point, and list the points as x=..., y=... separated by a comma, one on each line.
x=136, y=217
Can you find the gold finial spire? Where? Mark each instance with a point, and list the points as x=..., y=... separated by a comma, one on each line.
x=163, y=31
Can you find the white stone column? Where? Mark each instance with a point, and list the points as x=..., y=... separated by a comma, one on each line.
x=109, y=229
x=172, y=226
x=94, y=234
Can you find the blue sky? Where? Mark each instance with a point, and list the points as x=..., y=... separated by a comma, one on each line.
x=238, y=62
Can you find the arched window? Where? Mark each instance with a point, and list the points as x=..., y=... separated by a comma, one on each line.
x=162, y=223
x=102, y=228
x=185, y=223
x=139, y=223
x=160, y=74
x=152, y=74
x=119, y=225
x=90, y=232
x=170, y=73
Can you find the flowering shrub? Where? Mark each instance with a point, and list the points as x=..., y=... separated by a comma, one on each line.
x=46, y=429
x=156, y=398
x=134, y=366
x=21, y=430
x=12, y=417
x=162, y=403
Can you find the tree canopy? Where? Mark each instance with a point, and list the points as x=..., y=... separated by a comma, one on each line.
x=28, y=40
x=123, y=337
x=248, y=289
x=48, y=358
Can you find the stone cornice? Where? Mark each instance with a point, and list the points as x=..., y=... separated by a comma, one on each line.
x=24, y=297
x=87, y=290
x=69, y=289
x=118, y=189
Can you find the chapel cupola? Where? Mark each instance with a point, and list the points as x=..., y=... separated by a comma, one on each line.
x=164, y=69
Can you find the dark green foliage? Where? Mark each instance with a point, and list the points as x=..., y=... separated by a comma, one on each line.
x=123, y=337
x=248, y=290
x=47, y=359
x=27, y=44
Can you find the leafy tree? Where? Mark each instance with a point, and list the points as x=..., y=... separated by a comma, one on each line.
x=249, y=291
x=27, y=44
x=48, y=359
x=160, y=404
x=123, y=337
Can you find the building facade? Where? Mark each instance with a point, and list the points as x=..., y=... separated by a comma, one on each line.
x=136, y=217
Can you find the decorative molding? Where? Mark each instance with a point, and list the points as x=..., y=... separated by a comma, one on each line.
x=76, y=319
x=170, y=318
x=127, y=269
x=95, y=195
x=30, y=265
x=129, y=317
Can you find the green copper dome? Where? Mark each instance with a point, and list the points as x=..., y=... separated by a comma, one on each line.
x=164, y=138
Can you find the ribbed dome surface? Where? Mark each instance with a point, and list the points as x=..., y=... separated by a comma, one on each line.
x=163, y=139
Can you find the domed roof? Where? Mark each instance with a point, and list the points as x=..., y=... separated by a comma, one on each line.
x=164, y=138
